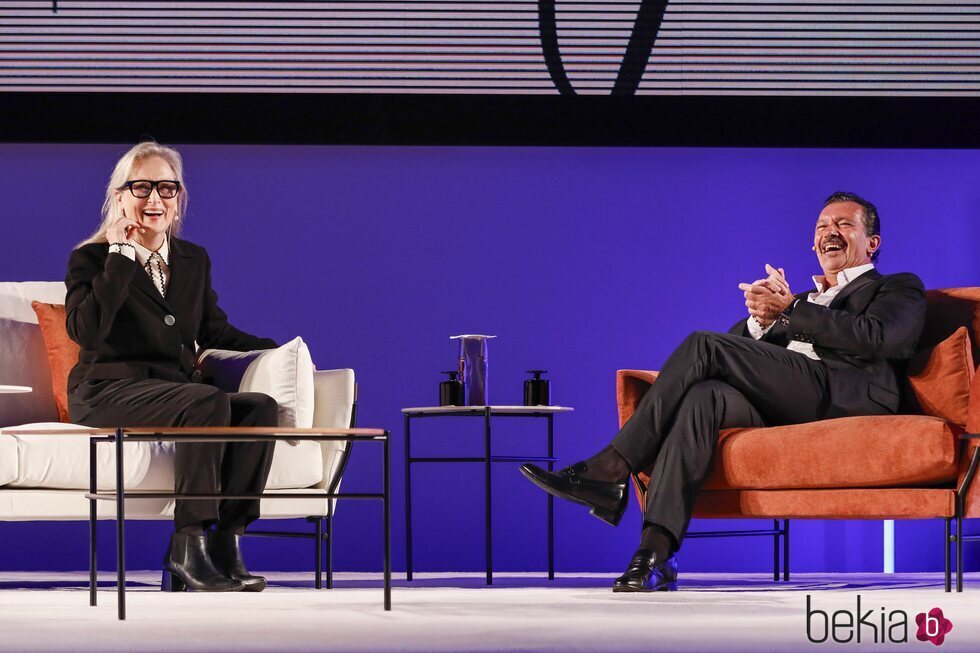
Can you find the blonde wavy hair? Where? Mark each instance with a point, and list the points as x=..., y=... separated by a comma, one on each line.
x=120, y=175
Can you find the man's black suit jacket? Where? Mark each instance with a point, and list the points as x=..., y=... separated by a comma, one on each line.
x=127, y=330
x=865, y=337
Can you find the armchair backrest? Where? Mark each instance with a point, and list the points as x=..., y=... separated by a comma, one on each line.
x=947, y=310
x=23, y=358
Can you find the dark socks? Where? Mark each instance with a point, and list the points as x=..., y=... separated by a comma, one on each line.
x=659, y=540
x=607, y=465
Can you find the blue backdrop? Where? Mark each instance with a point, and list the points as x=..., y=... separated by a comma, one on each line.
x=581, y=260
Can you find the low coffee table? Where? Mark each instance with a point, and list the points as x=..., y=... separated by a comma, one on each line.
x=212, y=434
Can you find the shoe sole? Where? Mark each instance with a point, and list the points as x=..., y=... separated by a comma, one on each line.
x=255, y=587
x=668, y=587
x=606, y=515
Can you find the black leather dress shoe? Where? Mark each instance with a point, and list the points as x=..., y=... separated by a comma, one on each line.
x=645, y=574
x=605, y=499
x=187, y=566
x=224, y=549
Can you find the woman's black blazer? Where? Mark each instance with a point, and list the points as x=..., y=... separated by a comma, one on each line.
x=127, y=330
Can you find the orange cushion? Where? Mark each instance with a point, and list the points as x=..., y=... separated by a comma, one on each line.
x=911, y=503
x=848, y=452
x=62, y=351
x=940, y=378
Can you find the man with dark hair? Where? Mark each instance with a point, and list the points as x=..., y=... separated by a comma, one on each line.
x=869, y=215
x=834, y=351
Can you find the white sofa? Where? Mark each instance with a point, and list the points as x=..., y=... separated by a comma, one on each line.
x=45, y=477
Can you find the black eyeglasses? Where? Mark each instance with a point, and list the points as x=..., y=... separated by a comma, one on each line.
x=142, y=188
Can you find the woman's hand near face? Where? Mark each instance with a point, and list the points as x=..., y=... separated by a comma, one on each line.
x=123, y=230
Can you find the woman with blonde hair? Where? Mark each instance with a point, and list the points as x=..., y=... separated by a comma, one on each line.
x=139, y=304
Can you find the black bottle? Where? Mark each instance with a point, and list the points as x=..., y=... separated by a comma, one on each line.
x=537, y=391
x=451, y=391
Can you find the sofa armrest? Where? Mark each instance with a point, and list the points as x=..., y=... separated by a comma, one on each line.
x=972, y=497
x=333, y=406
x=631, y=385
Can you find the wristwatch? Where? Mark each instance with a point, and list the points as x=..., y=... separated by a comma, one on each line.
x=783, y=318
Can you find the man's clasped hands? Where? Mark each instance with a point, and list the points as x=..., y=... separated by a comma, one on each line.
x=767, y=298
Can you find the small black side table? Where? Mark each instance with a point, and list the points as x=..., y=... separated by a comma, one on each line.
x=486, y=412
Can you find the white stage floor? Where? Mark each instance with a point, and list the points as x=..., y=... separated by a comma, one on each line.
x=456, y=612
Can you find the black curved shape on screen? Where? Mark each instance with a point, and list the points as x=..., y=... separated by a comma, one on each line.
x=548, y=27
x=639, y=47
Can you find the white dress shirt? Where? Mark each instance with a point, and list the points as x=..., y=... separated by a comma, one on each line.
x=822, y=296
x=159, y=270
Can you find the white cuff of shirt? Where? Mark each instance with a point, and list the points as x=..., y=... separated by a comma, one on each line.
x=756, y=330
x=126, y=250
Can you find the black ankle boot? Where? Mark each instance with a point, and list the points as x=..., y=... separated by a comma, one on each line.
x=188, y=567
x=223, y=546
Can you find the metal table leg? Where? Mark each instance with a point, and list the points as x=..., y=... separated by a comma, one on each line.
x=408, y=497
x=330, y=546
x=318, y=552
x=551, y=500
x=93, y=516
x=387, y=517
x=487, y=467
x=120, y=528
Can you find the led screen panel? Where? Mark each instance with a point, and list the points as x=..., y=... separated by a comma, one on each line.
x=513, y=47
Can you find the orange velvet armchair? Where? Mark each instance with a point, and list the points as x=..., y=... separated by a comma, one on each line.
x=884, y=467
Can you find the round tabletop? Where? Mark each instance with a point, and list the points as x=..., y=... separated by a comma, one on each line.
x=15, y=389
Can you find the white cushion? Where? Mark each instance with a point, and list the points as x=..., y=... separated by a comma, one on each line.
x=60, y=505
x=61, y=462
x=23, y=358
x=16, y=298
x=285, y=374
x=8, y=460
x=295, y=466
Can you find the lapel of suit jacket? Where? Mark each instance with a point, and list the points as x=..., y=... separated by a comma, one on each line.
x=860, y=282
x=180, y=259
x=142, y=281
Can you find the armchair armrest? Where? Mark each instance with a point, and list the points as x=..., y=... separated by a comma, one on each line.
x=631, y=385
x=333, y=401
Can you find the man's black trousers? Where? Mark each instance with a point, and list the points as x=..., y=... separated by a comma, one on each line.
x=199, y=468
x=711, y=382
